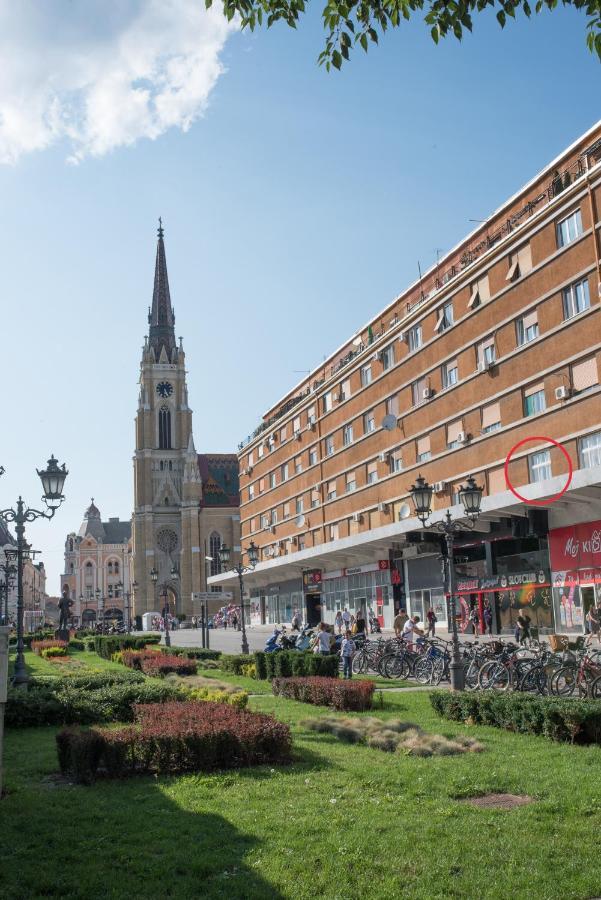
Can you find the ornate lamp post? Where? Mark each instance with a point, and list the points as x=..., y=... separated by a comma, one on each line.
x=100, y=608
x=470, y=496
x=127, y=598
x=53, y=480
x=9, y=570
x=165, y=594
x=253, y=559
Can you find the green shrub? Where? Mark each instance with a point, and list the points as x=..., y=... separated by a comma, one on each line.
x=50, y=652
x=334, y=692
x=107, y=644
x=260, y=666
x=87, y=680
x=234, y=662
x=192, y=652
x=577, y=721
x=76, y=645
x=286, y=663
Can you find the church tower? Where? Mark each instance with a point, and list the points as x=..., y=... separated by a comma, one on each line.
x=167, y=481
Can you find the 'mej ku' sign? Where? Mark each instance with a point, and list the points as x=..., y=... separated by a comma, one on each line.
x=576, y=547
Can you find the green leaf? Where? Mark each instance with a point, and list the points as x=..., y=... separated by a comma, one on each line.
x=336, y=59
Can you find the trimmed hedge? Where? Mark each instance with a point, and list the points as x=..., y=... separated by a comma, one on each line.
x=28, y=638
x=333, y=692
x=292, y=663
x=65, y=703
x=192, y=652
x=156, y=664
x=175, y=737
x=107, y=644
x=577, y=721
x=234, y=663
x=39, y=646
x=51, y=652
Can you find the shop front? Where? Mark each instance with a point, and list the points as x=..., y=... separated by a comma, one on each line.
x=278, y=603
x=359, y=589
x=575, y=552
x=507, y=596
x=425, y=580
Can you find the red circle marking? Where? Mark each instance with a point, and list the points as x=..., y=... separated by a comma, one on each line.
x=549, y=499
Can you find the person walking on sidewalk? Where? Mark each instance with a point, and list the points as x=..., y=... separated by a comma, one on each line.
x=399, y=622
x=487, y=615
x=347, y=651
x=432, y=620
x=338, y=622
x=346, y=619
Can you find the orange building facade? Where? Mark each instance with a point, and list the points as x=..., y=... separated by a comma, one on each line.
x=498, y=347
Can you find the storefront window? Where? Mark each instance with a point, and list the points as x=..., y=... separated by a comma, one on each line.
x=569, y=614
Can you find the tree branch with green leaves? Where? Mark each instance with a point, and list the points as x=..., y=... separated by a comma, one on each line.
x=351, y=23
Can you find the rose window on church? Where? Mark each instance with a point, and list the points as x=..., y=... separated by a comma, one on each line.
x=166, y=540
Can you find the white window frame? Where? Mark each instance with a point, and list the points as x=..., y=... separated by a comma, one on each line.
x=576, y=299
x=347, y=435
x=542, y=408
x=330, y=448
x=536, y=464
x=569, y=228
x=415, y=338
x=366, y=376
x=313, y=453
x=591, y=455
x=388, y=357
x=446, y=381
x=369, y=421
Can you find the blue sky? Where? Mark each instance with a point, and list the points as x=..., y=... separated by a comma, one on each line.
x=295, y=208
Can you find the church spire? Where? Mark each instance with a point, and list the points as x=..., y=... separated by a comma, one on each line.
x=161, y=317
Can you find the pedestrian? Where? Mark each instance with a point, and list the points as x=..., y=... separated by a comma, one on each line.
x=523, y=623
x=487, y=614
x=593, y=619
x=371, y=617
x=346, y=619
x=475, y=620
x=432, y=620
x=193, y=621
x=225, y=621
x=296, y=621
x=347, y=651
x=411, y=630
x=360, y=625
x=338, y=621
x=323, y=639
x=399, y=622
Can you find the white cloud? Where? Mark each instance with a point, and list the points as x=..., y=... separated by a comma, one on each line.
x=101, y=74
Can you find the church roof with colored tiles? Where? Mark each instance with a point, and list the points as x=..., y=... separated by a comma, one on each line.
x=220, y=479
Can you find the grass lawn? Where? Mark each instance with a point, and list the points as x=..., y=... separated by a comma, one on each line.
x=343, y=821
x=78, y=661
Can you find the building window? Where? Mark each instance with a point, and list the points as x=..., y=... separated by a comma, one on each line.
x=576, y=299
x=214, y=545
x=491, y=417
x=418, y=389
x=445, y=318
x=286, y=511
x=301, y=542
x=526, y=328
x=272, y=479
x=251, y=459
x=253, y=525
x=261, y=485
x=311, y=417
x=365, y=375
x=298, y=464
x=585, y=374
x=299, y=505
x=415, y=337
x=315, y=498
x=164, y=428
x=369, y=422
x=392, y=405
x=296, y=426
x=589, y=450
x=331, y=491
x=283, y=433
x=347, y=435
x=326, y=402
x=423, y=449
x=388, y=357
x=351, y=483
x=251, y=492
x=480, y=292
x=487, y=354
x=569, y=229
x=345, y=389
x=313, y=456
x=519, y=263
x=284, y=472
x=329, y=446
x=539, y=466
x=395, y=461
x=450, y=374
x=334, y=531
x=274, y=516
x=534, y=400
x=260, y=451
x=454, y=434
x=264, y=521
x=372, y=472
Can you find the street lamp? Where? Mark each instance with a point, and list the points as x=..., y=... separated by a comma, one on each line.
x=127, y=596
x=53, y=480
x=9, y=569
x=99, y=610
x=470, y=495
x=253, y=558
x=165, y=594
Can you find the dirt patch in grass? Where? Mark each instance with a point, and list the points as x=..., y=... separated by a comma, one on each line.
x=498, y=801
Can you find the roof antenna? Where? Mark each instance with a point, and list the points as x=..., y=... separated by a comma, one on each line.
x=419, y=269
x=160, y=231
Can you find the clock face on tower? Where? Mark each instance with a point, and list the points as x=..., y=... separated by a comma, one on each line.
x=164, y=389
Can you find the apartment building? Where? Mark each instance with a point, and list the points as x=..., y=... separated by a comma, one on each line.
x=497, y=347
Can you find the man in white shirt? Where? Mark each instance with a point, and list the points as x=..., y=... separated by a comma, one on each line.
x=410, y=630
x=346, y=618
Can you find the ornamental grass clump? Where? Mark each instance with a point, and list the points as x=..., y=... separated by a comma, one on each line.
x=392, y=736
x=39, y=646
x=168, y=738
x=355, y=696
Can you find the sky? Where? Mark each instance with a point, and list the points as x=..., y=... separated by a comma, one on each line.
x=296, y=205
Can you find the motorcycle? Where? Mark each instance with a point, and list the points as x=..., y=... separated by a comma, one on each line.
x=272, y=643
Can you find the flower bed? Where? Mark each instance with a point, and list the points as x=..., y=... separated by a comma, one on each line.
x=578, y=721
x=167, y=738
x=39, y=646
x=158, y=664
x=107, y=644
x=347, y=695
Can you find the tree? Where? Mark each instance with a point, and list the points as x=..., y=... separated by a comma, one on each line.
x=349, y=23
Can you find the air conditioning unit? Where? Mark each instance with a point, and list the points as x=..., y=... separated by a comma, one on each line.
x=357, y=517
x=486, y=365
x=249, y=471
x=440, y=487
x=383, y=507
x=562, y=392
x=293, y=541
x=427, y=393
x=462, y=438
x=298, y=435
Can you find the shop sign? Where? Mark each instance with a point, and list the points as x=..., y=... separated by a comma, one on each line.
x=565, y=579
x=501, y=582
x=466, y=585
x=381, y=566
x=576, y=546
x=312, y=579
x=589, y=576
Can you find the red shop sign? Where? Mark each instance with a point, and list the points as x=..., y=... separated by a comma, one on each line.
x=576, y=546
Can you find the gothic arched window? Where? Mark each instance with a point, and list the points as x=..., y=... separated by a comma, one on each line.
x=164, y=428
x=214, y=545
x=70, y=545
